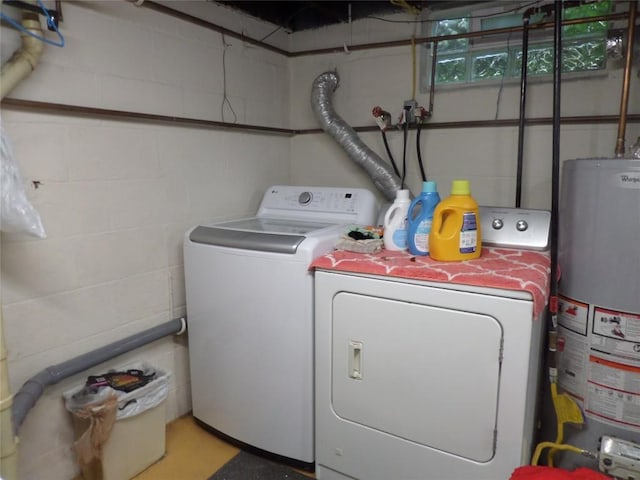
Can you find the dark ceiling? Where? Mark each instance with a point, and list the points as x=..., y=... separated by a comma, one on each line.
x=294, y=16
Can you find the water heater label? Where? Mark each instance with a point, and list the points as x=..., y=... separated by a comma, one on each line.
x=573, y=314
x=628, y=179
x=613, y=393
x=616, y=324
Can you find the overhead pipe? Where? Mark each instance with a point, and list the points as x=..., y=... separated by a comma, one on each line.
x=25, y=59
x=33, y=388
x=555, y=196
x=624, y=100
x=523, y=103
x=367, y=46
x=381, y=175
x=477, y=33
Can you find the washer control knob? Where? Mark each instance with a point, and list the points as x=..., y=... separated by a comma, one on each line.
x=304, y=198
x=521, y=225
x=497, y=223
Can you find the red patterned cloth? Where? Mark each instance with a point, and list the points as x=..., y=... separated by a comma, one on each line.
x=547, y=473
x=505, y=268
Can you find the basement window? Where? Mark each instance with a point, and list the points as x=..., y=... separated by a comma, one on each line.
x=499, y=56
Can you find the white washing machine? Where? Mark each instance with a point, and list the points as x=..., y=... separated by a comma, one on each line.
x=421, y=379
x=249, y=294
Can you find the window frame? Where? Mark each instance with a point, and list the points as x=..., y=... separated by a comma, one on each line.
x=509, y=43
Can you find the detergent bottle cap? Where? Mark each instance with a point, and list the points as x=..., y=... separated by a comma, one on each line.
x=460, y=187
x=402, y=194
x=429, y=187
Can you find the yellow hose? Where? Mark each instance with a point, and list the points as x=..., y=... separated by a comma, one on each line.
x=559, y=427
x=567, y=411
x=556, y=446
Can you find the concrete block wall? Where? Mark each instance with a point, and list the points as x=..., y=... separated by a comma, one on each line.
x=116, y=197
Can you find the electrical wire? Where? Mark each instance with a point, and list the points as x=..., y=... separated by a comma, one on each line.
x=285, y=22
x=391, y=159
x=50, y=23
x=419, y=153
x=501, y=88
x=404, y=148
x=225, y=98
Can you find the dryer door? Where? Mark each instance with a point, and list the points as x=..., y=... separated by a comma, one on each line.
x=426, y=374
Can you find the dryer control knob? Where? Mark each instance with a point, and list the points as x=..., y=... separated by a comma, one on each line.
x=497, y=224
x=521, y=225
x=304, y=198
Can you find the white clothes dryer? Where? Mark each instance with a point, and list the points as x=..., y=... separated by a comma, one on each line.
x=428, y=370
x=249, y=294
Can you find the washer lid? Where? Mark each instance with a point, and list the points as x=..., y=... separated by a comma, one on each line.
x=272, y=225
x=261, y=234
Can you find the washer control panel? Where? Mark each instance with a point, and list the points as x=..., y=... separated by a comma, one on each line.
x=321, y=204
x=515, y=227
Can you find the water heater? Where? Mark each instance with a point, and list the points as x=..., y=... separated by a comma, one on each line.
x=599, y=299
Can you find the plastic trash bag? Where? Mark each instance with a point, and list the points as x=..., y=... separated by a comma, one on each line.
x=130, y=403
x=16, y=212
x=101, y=419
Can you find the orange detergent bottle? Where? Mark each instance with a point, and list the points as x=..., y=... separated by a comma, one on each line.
x=455, y=232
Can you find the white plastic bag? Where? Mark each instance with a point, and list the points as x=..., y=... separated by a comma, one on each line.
x=131, y=403
x=16, y=212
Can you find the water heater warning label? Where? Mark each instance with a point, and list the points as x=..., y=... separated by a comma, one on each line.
x=573, y=315
x=616, y=333
x=613, y=393
x=617, y=324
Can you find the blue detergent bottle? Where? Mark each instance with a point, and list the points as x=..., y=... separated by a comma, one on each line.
x=420, y=217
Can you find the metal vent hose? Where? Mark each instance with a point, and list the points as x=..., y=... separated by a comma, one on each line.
x=381, y=174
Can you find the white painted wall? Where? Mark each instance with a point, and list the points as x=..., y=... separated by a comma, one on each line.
x=116, y=197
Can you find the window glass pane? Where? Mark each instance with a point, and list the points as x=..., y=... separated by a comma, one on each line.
x=539, y=61
x=584, y=47
x=501, y=21
x=452, y=27
x=485, y=66
x=583, y=56
x=594, y=9
x=451, y=69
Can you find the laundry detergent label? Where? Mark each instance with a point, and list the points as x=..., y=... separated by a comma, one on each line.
x=469, y=233
x=421, y=237
x=400, y=238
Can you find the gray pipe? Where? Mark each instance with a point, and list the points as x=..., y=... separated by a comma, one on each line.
x=383, y=177
x=33, y=388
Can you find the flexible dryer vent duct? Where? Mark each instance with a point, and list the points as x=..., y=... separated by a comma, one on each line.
x=383, y=177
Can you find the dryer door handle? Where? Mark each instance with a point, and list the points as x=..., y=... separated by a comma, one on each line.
x=355, y=360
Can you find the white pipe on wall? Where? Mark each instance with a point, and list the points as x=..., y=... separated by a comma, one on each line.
x=24, y=60
x=8, y=441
